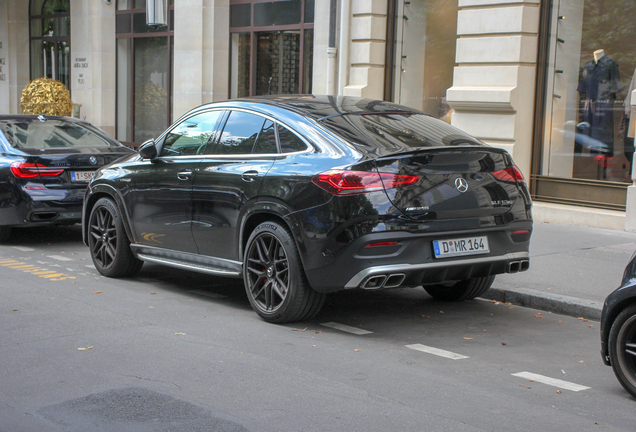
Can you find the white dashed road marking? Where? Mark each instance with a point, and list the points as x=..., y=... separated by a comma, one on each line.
x=23, y=248
x=551, y=381
x=346, y=328
x=59, y=258
x=437, y=352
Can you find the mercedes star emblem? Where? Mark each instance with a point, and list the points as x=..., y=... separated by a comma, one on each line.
x=461, y=185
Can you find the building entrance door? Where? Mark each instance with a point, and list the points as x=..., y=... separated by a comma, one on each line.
x=277, y=62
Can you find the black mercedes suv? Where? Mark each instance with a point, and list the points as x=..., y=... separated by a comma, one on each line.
x=305, y=195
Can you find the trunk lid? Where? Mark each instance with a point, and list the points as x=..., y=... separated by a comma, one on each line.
x=454, y=183
x=78, y=165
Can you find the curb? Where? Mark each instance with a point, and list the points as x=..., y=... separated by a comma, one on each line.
x=555, y=303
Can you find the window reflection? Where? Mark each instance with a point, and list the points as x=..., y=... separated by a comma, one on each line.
x=588, y=113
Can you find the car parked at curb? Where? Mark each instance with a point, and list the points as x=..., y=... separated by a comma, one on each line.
x=618, y=329
x=305, y=195
x=46, y=163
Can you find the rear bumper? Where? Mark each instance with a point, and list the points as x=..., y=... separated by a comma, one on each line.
x=411, y=261
x=389, y=275
x=38, y=213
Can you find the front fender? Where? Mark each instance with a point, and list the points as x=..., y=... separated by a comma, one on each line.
x=105, y=190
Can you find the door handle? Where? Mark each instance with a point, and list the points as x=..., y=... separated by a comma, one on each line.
x=185, y=174
x=250, y=176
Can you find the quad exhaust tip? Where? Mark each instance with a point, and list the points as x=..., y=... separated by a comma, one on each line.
x=383, y=281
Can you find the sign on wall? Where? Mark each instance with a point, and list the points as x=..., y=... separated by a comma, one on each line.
x=81, y=71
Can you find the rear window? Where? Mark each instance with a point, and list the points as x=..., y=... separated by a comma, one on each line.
x=396, y=132
x=54, y=134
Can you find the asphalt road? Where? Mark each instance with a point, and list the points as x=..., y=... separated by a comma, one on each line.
x=175, y=351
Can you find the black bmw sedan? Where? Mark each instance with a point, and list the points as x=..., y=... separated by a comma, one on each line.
x=305, y=195
x=46, y=163
x=618, y=329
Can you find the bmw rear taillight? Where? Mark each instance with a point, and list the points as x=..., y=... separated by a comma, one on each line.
x=32, y=170
x=340, y=182
x=512, y=174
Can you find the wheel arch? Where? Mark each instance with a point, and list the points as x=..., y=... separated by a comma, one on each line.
x=94, y=195
x=614, y=312
x=268, y=211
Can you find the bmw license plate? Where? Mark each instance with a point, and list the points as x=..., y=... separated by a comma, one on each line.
x=460, y=247
x=82, y=176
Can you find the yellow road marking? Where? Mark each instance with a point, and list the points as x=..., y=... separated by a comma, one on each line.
x=52, y=275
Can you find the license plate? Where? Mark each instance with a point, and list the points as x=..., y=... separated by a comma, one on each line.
x=461, y=247
x=82, y=176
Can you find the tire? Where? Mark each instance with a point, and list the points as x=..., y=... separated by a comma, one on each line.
x=463, y=290
x=622, y=349
x=109, y=245
x=274, y=278
x=5, y=233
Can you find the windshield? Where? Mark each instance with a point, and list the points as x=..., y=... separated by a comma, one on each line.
x=397, y=132
x=54, y=134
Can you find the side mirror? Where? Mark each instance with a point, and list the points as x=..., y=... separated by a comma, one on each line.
x=148, y=150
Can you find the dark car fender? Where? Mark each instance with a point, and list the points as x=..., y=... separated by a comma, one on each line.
x=270, y=208
x=615, y=303
x=102, y=190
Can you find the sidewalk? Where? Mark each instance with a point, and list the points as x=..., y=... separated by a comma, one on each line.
x=572, y=270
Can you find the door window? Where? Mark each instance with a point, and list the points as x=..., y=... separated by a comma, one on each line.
x=240, y=133
x=266, y=143
x=144, y=73
x=192, y=135
x=51, y=40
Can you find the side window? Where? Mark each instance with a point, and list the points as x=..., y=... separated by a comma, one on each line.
x=191, y=135
x=289, y=141
x=266, y=143
x=240, y=133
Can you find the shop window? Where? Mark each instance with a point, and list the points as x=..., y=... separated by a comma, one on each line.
x=144, y=73
x=50, y=40
x=271, y=47
x=585, y=149
x=420, y=54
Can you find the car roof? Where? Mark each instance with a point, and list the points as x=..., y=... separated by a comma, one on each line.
x=319, y=106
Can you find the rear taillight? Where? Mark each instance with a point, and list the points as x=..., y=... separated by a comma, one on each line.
x=32, y=170
x=512, y=174
x=339, y=182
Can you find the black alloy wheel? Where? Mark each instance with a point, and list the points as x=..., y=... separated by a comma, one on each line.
x=463, y=290
x=274, y=279
x=108, y=242
x=622, y=349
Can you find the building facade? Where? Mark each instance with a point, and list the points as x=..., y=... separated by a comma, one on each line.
x=550, y=81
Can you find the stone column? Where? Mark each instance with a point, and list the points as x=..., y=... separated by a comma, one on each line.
x=368, y=40
x=14, y=53
x=322, y=58
x=201, y=53
x=494, y=82
x=93, y=62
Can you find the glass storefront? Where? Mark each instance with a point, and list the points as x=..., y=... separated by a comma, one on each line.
x=586, y=150
x=50, y=40
x=144, y=73
x=271, y=47
x=422, y=36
